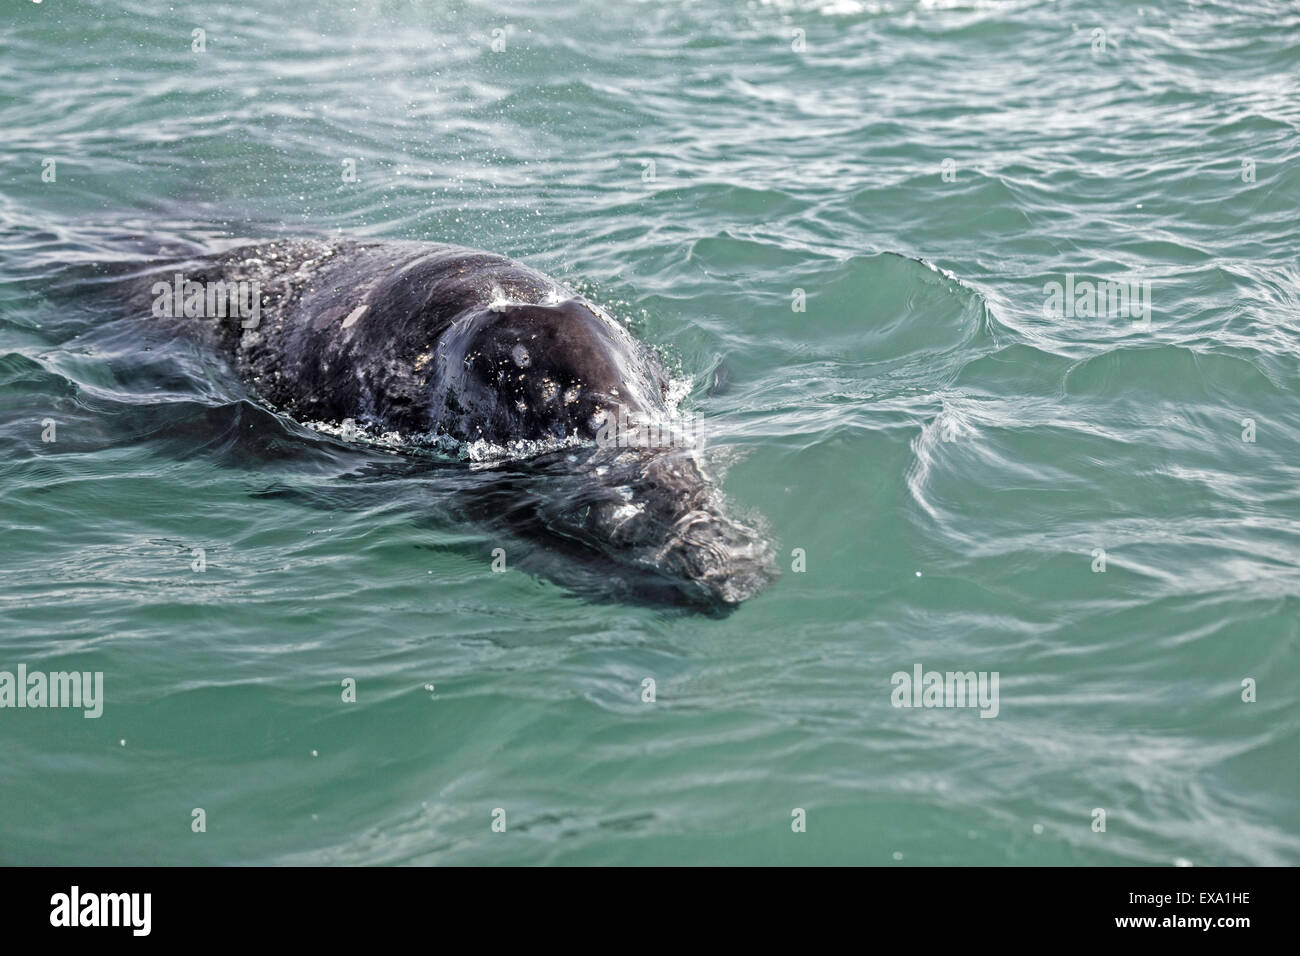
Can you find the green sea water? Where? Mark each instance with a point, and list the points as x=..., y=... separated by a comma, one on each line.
x=840, y=222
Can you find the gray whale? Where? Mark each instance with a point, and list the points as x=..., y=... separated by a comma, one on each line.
x=437, y=340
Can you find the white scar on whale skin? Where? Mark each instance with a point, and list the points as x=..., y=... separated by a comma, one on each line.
x=355, y=314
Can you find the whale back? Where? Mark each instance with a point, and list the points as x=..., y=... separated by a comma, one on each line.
x=438, y=340
x=551, y=370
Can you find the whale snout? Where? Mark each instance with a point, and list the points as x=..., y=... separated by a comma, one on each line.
x=725, y=560
x=669, y=519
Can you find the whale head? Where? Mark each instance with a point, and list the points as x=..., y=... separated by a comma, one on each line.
x=631, y=497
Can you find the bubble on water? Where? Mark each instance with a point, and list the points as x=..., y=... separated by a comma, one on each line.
x=483, y=451
x=1038, y=829
x=898, y=855
x=363, y=433
x=1182, y=861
